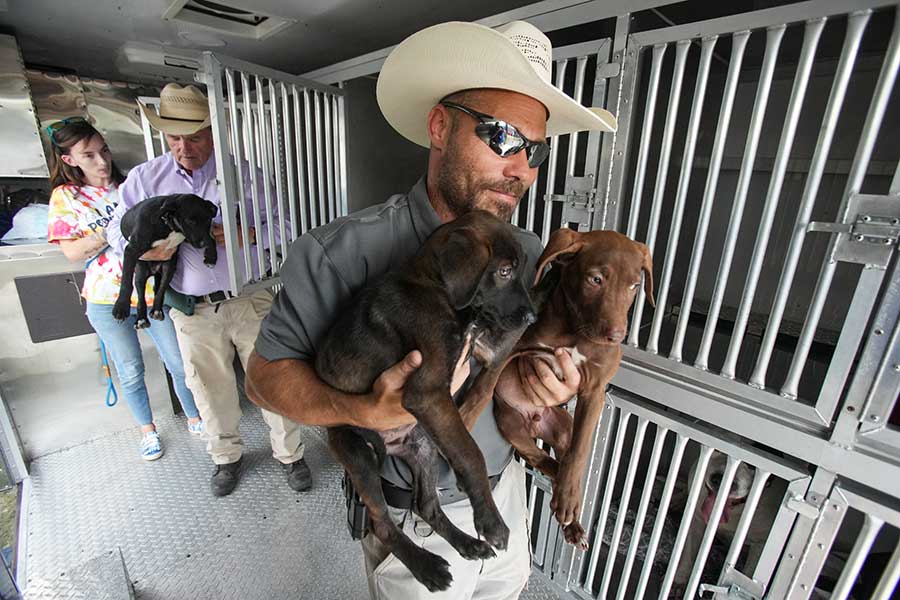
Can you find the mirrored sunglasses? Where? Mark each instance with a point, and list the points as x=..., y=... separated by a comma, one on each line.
x=504, y=139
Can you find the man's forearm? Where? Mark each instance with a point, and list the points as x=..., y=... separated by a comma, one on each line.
x=291, y=388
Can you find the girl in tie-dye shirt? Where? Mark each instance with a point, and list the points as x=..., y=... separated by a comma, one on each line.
x=81, y=206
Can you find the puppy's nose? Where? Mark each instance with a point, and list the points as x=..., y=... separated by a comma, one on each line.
x=716, y=479
x=615, y=335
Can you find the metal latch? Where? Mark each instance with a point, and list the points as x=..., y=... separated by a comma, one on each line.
x=579, y=201
x=802, y=507
x=734, y=585
x=872, y=228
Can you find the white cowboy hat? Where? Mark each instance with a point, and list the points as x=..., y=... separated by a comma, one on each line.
x=182, y=110
x=451, y=57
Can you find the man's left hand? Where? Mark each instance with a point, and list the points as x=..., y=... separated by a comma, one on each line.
x=218, y=232
x=538, y=384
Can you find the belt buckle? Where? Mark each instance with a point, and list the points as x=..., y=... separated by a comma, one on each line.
x=216, y=297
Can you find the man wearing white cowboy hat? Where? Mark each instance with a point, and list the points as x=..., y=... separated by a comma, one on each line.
x=211, y=322
x=482, y=101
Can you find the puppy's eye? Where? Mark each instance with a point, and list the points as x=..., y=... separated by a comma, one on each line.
x=505, y=272
x=595, y=279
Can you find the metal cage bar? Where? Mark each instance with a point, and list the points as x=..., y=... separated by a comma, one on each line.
x=739, y=43
x=554, y=156
x=855, y=27
x=774, y=36
x=300, y=165
x=811, y=35
x=684, y=179
x=279, y=168
x=877, y=108
x=624, y=501
x=265, y=159
x=237, y=140
x=640, y=173
x=290, y=163
x=656, y=453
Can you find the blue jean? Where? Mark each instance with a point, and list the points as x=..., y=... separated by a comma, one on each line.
x=125, y=352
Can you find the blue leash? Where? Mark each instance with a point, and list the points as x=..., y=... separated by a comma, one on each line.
x=110, y=388
x=104, y=359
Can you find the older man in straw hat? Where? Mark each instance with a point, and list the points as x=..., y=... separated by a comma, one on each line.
x=482, y=101
x=211, y=322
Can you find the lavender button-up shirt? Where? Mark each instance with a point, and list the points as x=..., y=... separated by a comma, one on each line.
x=162, y=176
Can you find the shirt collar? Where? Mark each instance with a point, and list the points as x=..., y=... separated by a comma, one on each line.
x=424, y=219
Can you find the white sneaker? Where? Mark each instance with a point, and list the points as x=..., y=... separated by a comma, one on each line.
x=151, y=447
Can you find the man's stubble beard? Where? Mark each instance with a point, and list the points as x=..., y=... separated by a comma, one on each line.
x=461, y=193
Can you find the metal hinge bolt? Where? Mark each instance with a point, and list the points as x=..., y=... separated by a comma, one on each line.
x=732, y=592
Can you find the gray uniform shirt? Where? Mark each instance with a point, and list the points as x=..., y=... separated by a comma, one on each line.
x=324, y=270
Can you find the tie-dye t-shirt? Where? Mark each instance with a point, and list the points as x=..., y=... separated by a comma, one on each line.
x=77, y=212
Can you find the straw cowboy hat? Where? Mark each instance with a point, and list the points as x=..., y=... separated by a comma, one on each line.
x=451, y=57
x=182, y=110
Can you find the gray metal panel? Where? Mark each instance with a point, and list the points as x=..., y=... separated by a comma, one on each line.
x=21, y=154
x=52, y=305
x=112, y=108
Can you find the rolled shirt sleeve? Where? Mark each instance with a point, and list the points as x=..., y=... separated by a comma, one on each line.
x=306, y=305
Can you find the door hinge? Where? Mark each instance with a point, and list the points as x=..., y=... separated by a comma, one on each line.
x=871, y=229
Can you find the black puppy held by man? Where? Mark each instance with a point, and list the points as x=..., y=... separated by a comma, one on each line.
x=463, y=294
x=483, y=102
x=161, y=221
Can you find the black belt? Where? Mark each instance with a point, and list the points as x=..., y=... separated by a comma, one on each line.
x=399, y=497
x=215, y=297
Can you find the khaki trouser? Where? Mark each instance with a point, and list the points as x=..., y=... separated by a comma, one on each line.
x=503, y=577
x=207, y=340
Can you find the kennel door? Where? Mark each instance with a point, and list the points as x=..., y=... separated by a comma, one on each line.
x=286, y=137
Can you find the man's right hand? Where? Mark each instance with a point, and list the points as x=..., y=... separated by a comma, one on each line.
x=160, y=253
x=385, y=408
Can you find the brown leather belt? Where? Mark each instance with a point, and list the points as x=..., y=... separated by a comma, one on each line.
x=399, y=497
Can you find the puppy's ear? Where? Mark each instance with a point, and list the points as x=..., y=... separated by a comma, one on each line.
x=462, y=261
x=647, y=268
x=564, y=244
x=168, y=211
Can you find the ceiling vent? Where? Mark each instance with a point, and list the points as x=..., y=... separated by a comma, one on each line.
x=225, y=18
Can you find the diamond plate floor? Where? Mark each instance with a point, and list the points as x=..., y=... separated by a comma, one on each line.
x=263, y=542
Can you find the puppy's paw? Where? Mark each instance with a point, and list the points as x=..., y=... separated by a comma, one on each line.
x=575, y=535
x=491, y=527
x=121, y=310
x=472, y=549
x=141, y=323
x=158, y=314
x=432, y=571
x=566, y=505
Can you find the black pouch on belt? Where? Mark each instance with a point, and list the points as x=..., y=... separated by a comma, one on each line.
x=182, y=302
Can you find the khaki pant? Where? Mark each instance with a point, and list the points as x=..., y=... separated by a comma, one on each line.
x=500, y=578
x=207, y=340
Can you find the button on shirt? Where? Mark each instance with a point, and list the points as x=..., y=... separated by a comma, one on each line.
x=328, y=266
x=162, y=176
